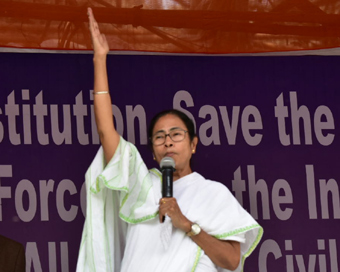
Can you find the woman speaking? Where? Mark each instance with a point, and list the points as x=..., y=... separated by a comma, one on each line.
x=205, y=229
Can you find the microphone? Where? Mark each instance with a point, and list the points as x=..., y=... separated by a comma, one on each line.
x=167, y=168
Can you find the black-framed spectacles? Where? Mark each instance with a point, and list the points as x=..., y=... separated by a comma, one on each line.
x=176, y=135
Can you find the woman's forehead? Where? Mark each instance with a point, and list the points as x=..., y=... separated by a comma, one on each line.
x=168, y=122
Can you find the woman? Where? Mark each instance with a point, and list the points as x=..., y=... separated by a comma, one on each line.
x=205, y=230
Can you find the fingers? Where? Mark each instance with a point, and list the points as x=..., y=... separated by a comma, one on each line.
x=167, y=207
x=99, y=42
x=162, y=208
x=91, y=17
x=167, y=202
x=93, y=25
x=170, y=207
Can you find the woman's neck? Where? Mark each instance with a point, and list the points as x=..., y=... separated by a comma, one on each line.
x=181, y=173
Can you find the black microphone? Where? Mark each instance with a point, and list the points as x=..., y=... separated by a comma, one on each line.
x=167, y=167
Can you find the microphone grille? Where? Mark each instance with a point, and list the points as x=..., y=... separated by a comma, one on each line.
x=167, y=162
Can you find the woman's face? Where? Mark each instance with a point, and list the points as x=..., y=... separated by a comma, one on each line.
x=182, y=151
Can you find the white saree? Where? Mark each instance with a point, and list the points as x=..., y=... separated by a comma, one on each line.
x=125, y=189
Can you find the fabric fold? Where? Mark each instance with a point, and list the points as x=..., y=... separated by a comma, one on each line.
x=166, y=232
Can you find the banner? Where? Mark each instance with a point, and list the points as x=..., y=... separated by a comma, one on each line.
x=268, y=129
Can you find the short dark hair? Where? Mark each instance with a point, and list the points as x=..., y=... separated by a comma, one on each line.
x=186, y=120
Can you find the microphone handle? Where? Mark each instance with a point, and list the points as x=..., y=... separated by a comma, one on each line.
x=167, y=183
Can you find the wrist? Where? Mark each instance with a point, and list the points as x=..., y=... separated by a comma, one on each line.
x=187, y=226
x=99, y=58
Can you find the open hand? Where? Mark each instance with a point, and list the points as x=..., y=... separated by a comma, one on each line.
x=99, y=42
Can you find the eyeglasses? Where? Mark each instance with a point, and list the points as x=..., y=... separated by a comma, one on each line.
x=176, y=135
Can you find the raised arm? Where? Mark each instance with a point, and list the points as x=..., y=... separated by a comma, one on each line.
x=108, y=135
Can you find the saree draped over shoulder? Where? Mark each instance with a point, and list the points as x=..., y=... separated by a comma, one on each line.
x=122, y=232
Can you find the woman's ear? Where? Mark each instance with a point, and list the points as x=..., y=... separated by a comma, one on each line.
x=194, y=143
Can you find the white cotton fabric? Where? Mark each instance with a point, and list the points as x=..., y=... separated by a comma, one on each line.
x=125, y=188
x=166, y=232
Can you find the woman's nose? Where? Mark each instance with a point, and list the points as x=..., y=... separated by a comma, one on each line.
x=168, y=141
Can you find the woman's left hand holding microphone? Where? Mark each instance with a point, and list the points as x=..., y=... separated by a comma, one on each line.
x=169, y=206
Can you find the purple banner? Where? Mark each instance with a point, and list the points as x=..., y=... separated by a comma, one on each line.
x=268, y=130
